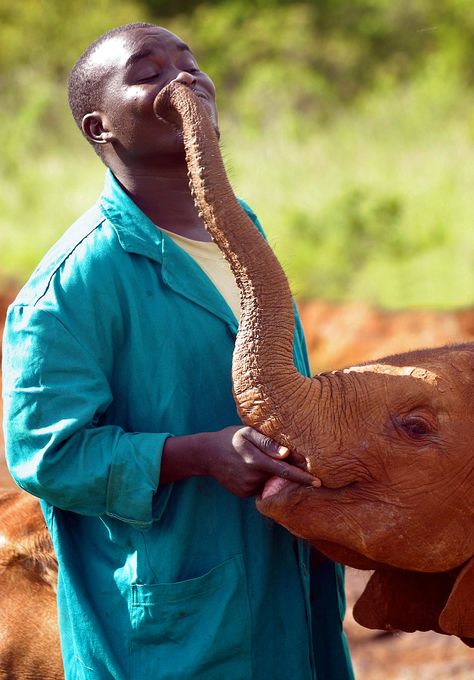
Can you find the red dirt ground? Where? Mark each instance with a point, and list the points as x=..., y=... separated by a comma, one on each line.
x=345, y=335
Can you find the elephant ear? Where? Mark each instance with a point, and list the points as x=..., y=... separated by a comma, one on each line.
x=396, y=599
x=457, y=617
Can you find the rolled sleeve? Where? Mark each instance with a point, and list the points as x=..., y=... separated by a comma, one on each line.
x=142, y=453
x=55, y=395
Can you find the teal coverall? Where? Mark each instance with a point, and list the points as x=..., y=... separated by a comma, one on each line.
x=118, y=341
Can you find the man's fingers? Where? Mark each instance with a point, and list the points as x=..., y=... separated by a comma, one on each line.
x=266, y=444
x=281, y=451
x=293, y=473
x=274, y=453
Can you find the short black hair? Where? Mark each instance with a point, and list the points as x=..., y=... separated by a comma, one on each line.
x=84, y=84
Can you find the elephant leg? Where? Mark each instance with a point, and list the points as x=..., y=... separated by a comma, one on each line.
x=457, y=617
x=396, y=599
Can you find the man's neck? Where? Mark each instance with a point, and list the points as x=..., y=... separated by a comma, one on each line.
x=166, y=199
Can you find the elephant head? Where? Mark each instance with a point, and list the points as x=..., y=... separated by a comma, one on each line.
x=391, y=441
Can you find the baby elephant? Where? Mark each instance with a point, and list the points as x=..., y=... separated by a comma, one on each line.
x=395, y=452
x=29, y=639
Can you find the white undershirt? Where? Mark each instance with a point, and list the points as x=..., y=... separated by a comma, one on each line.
x=209, y=257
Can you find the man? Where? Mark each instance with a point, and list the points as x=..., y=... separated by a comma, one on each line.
x=119, y=416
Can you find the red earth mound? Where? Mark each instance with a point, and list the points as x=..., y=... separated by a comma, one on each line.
x=347, y=334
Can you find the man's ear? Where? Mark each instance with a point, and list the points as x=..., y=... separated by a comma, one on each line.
x=95, y=127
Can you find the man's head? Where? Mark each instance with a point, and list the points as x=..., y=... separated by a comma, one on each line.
x=114, y=83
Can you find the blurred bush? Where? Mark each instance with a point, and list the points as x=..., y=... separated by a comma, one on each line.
x=348, y=124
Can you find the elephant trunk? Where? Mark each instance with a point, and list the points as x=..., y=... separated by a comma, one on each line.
x=264, y=375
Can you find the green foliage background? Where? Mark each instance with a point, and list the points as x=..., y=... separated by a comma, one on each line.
x=347, y=124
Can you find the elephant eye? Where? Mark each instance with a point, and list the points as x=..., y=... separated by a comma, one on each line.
x=415, y=426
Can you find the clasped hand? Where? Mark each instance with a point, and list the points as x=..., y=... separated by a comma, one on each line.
x=243, y=459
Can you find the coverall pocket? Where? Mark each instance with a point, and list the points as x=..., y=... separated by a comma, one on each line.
x=197, y=629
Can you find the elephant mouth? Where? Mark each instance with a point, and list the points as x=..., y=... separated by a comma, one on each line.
x=274, y=485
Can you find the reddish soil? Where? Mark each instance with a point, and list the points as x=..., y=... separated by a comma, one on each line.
x=345, y=335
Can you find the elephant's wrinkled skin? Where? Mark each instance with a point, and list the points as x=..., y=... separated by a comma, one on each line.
x=396, y=456
x=392, y=442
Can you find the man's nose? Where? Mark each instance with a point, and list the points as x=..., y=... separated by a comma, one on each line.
x=185, y=78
